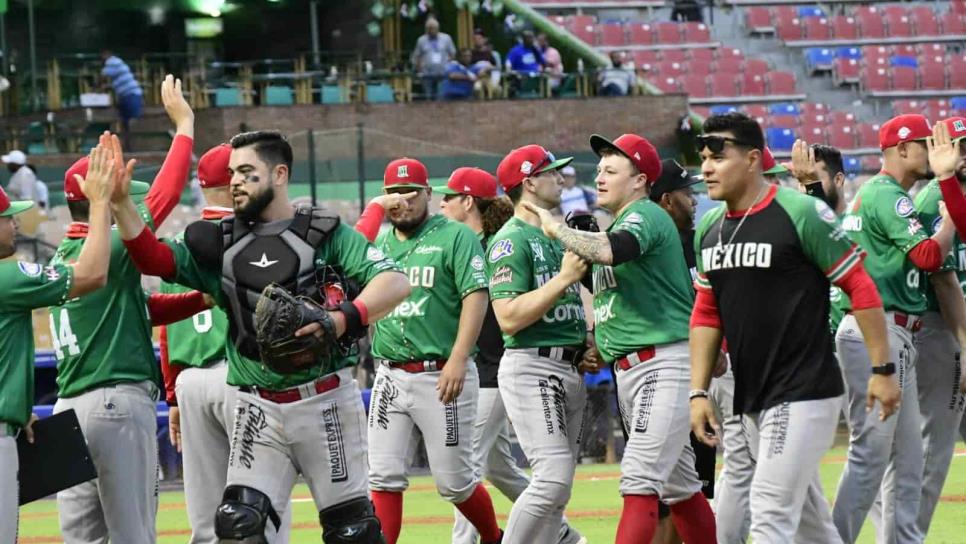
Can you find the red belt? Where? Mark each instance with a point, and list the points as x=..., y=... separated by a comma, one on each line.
x=415, y=367
x=295, y=394
x=903, y=321
x=629, y=361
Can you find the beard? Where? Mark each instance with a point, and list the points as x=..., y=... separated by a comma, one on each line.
x=256, y=205
x=407, y=226
x=833, y=196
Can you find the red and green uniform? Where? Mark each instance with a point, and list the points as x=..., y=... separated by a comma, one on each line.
x=646, y=301
x=444, y=262
x=25, y=286
x=927, y=206
x=520, y=259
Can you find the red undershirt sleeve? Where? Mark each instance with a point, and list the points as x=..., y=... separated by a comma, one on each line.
x=926, y=255
x=370, y=221
x=860, y=288
x=169, y=183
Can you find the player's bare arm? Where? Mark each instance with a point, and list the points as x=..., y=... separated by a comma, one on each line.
x=90, y=270
x=450, y=383
x=952, y=306
x=882, y=388
x=592, y=246
x=516, y=314
x=705, y=346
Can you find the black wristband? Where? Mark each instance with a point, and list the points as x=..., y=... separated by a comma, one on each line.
x=353, y=320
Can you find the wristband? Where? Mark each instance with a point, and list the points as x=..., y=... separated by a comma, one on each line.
x=355, y=325
x=697, y=394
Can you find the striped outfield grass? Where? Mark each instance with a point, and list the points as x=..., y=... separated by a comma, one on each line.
x=594, y=509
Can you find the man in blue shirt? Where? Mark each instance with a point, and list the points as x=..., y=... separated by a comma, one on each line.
x=127, y=91
x=460, y=77
x=525, y=58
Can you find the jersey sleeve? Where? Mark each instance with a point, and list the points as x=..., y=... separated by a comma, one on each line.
x=466, y=262
x=701, y=282
x=895, y=216
x=823, y=240
x=509, y=267
x=641, y=227
x=360, y=259
x=29, y=285
x=190, y=273
x=927, y=206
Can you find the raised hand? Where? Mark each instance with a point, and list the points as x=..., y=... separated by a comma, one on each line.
x=803, y=165
x=98, y=185
x=943, y=153
x=174, y=103
x=123, y=172
x=547, y=221
x=391, y=201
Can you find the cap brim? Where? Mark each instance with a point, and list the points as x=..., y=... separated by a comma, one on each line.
x=598, y=143
x=405, y=186
x=17, y=206
x=444, y=190
x=775, y=170
x=555, y=165
x=139, y=188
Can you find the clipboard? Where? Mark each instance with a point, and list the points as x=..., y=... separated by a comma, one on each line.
x=58, y=459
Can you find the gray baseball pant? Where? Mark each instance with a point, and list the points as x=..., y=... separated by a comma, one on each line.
x=493, y=459
x=9, y=486
x=121, y=505
x=544, y=399
x=733, y=485
x=882, y=455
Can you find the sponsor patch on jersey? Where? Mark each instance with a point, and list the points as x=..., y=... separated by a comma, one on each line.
x=477, y=263
x=503, y=248
x=914, y=226
x=51, y=273
x=904, y=207
x=938, y=222
x=31, y=270
x=825, y=212
x=502, y=275
x=537, y=250
x=425, y=250
x=633, y=218
x=374, y=254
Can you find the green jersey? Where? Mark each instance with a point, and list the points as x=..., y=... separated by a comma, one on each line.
x=444, y=262
x=927, y=206
x=345, y=247
x=646, y=301
x=200, y=339
x=883, y=221
x=104, y=337
x=25, y=286
x=520, y=259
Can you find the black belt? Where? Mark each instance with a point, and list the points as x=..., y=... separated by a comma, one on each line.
x=567, y=354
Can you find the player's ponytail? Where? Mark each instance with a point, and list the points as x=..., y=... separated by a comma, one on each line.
x=495, y=212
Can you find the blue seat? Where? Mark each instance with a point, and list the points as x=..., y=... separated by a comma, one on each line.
x=722, y=109
x=783, y=108
x=276, y=95
x=332, y=94
x=958, y=103
x=228, y=96
x=852, y=165
x=810, y=11
x=899, y=60
x=380, y=93
x=780, y=139
x=819, y=58
x=853, y=53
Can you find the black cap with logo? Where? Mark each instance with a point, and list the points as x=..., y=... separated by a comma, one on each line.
x=673, y=177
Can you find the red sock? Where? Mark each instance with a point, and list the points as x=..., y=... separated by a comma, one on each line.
x=388, y=505
x=694, y=520
x=479, y=510
x=638, y=520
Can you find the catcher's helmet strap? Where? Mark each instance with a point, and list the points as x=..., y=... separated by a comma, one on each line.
x=314, y=225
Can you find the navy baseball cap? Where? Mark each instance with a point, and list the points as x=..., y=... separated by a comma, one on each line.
x=673, y=177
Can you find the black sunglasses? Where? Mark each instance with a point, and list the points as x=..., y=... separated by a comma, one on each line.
x=716, y=144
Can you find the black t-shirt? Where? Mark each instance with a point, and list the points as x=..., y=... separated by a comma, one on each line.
x=490, y=344
x=771, y=281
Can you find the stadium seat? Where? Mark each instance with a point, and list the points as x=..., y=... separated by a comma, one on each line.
x=702, y=54
x=924, y=20
x=958, y=6
x=784, y=12
x=645, y=57
x=696, y=86
x=783, y=108
x=838, y=117
x=957, y=62
x=813, y=134
x=953, y=23
x=910, y=62
x=957, y=79
x=559, y=20
x=676, y=55
x=730, y=52
x=228, y=96
x=758, y=67
x=871, y=24
x=899, y=24
x=874, y=79
x=580, y=21
x=752, y=84
x=724, y=84
x=841, y=136
x=848, y=53
x=958, y=104
x=756, y=110
x=703, y=68
x=668, y=33
x=612, y=35
x=670, y=68
x=640, y=34
x=666, y=84
x=813, y=118
x=813, y=108
x=701, y=111
x=903, y=107
x=784, y=121
x=728, y=64
x=810, y=11
x=845, y=71
x=852, y=165
x=758, y=20
x=817, y=29
x=932, y=76
x=905, y=50
x=780, y=139
x=586, y=34
x=867, y=134
x=332, y=94
x=779, y=82
x=903, y=78
x=819, y=59
x=382, y=93
x=790, y=29
x=723, y=109
x=844, y=27
x=277, y=95
x=927, y=49
x=696, y=32
x=872, y=52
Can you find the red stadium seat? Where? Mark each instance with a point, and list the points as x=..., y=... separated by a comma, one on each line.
x=790, y=29
x=957, y=79
x=784, y=12
x=929, y=49
x=903, y=78
x=814, y=118
x=579, y=21
x=905, y=50
x=844, y=27
x=756, y=110
x=813, y=133
x=782, y=121
x=730, y=52
x=586, y=33
x=612, y=35
x=702, y=54
x=728, y=64
x=752, y=84
x=868, y=135
x=900, y=25
x=758, y=67
x=696, y=32
x=703, y=111
x=695, y=86
x=724, y=84
x=640, y=34
x=841, y=136
x=668, y=33
x=958, y=6
x=953, y=23
x=876, y=55
x=677, y=55
x=559, y=20
x=845, y=71
x=893, y=11
x=957, y=63
x=903, y=107
x=875, y=78
x=932, y=76
x=779, y=82
x=817, y=28
x=925, y=21
x=666, y=84
x=641, y=58
x=813, y=108
x=758, y=19
x=670, y=68
x=836, y=117
x=704, y=68
x=871, y=24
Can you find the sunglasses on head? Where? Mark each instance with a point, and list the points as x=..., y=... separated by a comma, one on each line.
x=548, y=159
x=716, y=144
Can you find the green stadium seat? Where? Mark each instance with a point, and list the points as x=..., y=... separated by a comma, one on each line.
x=277, y=95
x=227, y=96
x=332, y=94
x=380, y=93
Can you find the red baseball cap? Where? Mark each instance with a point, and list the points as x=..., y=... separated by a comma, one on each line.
x=903, y=128
x=469, y=181
x=526, y=161
x=213, y=167
x=956, y=127
x=405, y=172
x=769, y=166
x=634, y=147
x=8, y=207
x=73, y=191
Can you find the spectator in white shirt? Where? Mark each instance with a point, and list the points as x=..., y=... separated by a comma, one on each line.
x=23, y=181
x=615, y=80
x=573, y=198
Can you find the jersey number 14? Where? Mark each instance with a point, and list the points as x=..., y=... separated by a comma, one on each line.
x=62, y=336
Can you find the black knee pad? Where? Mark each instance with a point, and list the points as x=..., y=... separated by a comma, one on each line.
x=243, y=514
x=351, y=522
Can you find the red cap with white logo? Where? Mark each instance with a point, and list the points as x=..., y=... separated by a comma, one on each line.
x=634, y=147
x=956, y=127
x=469, y=181
x=405, y=172
x=903, y=128
x=523, y=162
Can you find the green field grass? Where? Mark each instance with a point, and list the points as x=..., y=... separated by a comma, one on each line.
x=594, y=509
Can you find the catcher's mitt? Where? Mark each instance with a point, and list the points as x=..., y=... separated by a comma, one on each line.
x=582, y=221
x=277, y=316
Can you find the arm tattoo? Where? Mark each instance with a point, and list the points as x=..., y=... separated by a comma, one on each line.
x=593, y=246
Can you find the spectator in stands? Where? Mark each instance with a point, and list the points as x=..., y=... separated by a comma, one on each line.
x=41, y=194
x=460, y=77
x=525, y=58
x=127, y=92
x=687, y=10
x=553, y=62
x=574, y=198
x=23, y=181
x=486, y=62
x=433, y=52
x=616, y=80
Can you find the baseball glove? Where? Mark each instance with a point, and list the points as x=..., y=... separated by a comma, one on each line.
x=582, y=221
x=278, y=315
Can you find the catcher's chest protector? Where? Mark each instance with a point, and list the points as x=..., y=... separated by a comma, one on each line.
x=262, y=253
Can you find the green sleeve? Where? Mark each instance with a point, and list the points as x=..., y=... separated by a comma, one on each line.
x=29, y=285
x=701, y=280
x=360, y=260
x=509, y=267
x=466, y=261
x=927, y=206
x=823, y=240
x=191, y=274
x=642, y=228
x=895, y=216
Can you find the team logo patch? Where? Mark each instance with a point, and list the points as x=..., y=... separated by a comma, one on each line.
x=526, y=167
x=537, y=250
x=938, y=222
x=402, y=171
x=825, y=212
x=914, y=226
x=904, y=207
x=477, y=262
x=503, y=248
x=32, y=270
x=375, y=254
x=959, y=126
x=904, y=133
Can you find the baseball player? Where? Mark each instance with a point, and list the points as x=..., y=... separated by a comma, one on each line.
x=765, y=261
x=27, y=286
x=938, y=370
x=883, y=220
x=106, y=368
x=426, y=380
x=642, y=302
x=536, y=299
x=297, y=412
x=470, y=197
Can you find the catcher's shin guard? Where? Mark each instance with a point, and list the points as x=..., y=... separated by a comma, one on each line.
x=351, y=522
x=243, y=514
